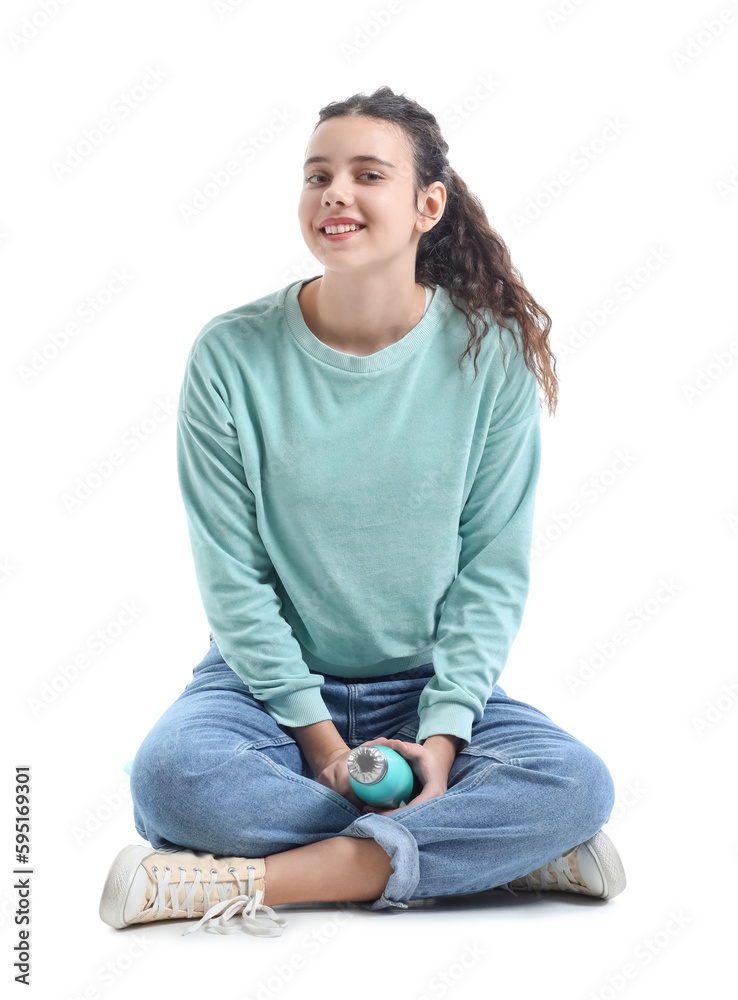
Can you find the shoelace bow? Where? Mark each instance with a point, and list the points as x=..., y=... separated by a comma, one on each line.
x=215, y=919
x=557, y=871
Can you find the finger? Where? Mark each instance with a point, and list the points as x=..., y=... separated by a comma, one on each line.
x=427, y=793
x=411, y=749
x=387, y=812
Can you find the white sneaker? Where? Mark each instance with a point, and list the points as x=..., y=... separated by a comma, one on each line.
x=593, y=868
x=142, y=886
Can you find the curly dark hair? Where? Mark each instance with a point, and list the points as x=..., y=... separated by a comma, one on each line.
x=462, y=252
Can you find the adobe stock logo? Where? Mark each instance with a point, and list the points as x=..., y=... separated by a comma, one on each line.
x=646, y=951
x=715, y=711
x=705, y=378
x=636, y=619
x=99, y=640
x=709, y=30
x=595, y=488
x=34, y=23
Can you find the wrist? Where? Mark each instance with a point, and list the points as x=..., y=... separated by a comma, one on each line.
x=444, y=746
x=318, y=742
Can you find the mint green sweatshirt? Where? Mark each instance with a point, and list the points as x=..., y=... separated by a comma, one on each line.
x=359, y=516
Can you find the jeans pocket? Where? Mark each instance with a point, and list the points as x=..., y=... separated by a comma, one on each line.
x=480, y=751
x=279, y=750
x=264, y=741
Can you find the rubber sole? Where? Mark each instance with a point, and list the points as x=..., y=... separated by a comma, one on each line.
x=118, y=883
x=609, y=864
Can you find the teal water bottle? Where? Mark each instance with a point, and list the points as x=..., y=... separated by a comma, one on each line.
x=381, y=777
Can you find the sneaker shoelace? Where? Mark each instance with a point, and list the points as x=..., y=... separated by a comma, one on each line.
x=217, y=919
x=557, y=871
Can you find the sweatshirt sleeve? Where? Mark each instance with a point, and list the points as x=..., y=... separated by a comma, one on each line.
x=234, y=573
x=484, y=604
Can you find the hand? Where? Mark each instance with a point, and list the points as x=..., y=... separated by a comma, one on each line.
x=429, y=767
x=334, y=774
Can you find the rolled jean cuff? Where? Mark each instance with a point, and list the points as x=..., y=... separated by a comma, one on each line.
x=402, y=849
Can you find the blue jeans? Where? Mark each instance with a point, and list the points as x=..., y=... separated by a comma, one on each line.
x=218, y=774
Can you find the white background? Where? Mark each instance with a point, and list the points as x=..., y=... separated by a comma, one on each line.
x=663, y=183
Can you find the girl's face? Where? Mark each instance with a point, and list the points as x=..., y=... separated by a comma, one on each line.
x=363, y=173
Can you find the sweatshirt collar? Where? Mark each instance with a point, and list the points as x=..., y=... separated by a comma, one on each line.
x=352, y=362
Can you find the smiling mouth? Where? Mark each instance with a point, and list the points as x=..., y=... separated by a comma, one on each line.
x=325, y=229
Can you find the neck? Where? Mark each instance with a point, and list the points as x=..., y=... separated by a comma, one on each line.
x=360, y=315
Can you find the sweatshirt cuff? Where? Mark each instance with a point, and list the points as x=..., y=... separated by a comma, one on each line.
x=298, y=708
x=448, y=718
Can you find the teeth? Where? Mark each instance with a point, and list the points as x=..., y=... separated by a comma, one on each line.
x=334, y=230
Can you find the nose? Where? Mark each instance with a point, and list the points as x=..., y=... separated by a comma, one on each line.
x=334, y=193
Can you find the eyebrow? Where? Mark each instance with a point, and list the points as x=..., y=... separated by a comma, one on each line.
x=360, y=158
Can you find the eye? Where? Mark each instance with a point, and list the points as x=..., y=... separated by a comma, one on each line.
x=364, y=173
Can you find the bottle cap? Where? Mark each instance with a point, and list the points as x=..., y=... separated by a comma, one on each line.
x=367, y=765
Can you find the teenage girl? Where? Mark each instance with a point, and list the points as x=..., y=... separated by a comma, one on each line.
x=358, y=455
